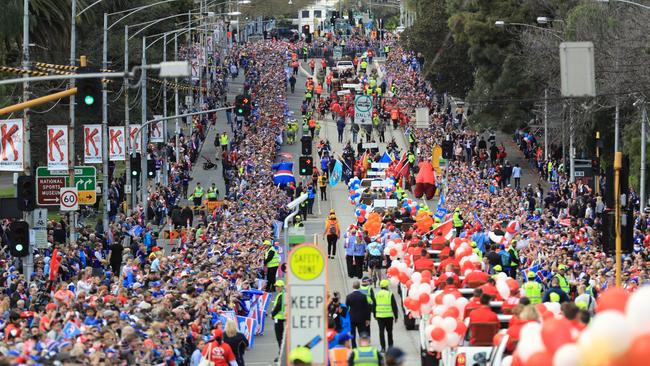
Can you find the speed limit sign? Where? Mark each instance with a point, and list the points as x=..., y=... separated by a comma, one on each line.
x=69, y=199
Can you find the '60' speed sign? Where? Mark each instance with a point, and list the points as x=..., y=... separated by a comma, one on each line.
x=69, y=199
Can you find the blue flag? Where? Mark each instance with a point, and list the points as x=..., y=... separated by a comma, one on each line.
x=70, y=330
x=337, y=173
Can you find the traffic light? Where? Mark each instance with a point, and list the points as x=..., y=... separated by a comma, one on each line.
x=151, y=168
x=595, y=165
x=306, y=146
x=88, y=105
x=243, y=105
x=447, y=149
x=305, y=165
x=19, y=239
x=26, y=197
x=136, y=169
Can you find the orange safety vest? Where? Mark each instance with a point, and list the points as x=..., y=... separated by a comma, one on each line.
x=394, y=114
x=312, y=63
x=339, y=356
x=294, y=56
x=319, y=89
x=312, y=123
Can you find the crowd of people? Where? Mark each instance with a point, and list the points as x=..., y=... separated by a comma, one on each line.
x=114, y=297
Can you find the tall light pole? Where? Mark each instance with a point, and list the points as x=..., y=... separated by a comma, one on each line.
x=28, y=262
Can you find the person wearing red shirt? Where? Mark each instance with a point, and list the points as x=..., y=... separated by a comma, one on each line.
x=473, y=303
x=449, y=273
x=451, y=288
x=424, y=262
x=449, y=260
x=490, y=288
x=476, y=276
x=482, y=314
x=219, y=352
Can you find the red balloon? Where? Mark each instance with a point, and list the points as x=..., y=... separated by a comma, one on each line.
x=424, y=298
x=408, y=284
x=461, y=328
x=512, y=284
x=392, y=252
x=452, y=312
x=516, y=361
x=426, y=274
x=392, y=271
x=438, y=334
x=439, y=299
x=403, y=277
x=556, y=333
x=407, y=302
x=639, y=352
x=613, y=298
x=542, y=358
x=497, y=339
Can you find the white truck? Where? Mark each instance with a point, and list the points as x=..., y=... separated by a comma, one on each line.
x=343, y=68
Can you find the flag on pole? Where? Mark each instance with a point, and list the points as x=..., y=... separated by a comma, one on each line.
x=337, y=173
x=446, y=230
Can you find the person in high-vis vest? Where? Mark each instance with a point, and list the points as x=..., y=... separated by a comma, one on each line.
x=365, y=354
x=197, y=195
x=339, y=354
x=272, y=261
x=386, y=312
x=213, y=192
x=223, y=141
x=300, y=356
x=555, y=292
x=514, y=259
x=533, y=289
x=561, y=278
x=458, y=221
x=476, y=250
x=367, y=290
x=278, y=312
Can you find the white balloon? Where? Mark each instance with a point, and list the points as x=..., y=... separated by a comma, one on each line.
x=426, y=308
x=414, y=293
x=437, y=346
x=449, y=324
x=439, y=309
x=503, y=289
x=506, y=361
x=460, y=304
x=463, y=260
x=530, y=341
x=409, y=271
x=448, y=300
x=436, y=321
x=395, y=263
x=428, y=330
x=416, y=278
x=402, y=266
x=501, y=276
x=637, y=310
x=567, y=355
x=425, y=288
x=387, y=251
x=612, y=328
x=394, y=280
x=553, y=307
x=452, y=339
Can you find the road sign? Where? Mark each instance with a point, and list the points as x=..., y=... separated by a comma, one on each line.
x=363, y=109
x=69, y=199
x=39, y=227
x=307, y=301
x=337, y=53
x=49, y=184
x=422, y=117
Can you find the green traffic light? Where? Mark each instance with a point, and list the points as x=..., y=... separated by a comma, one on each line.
x=89, y=100
x=240, y=110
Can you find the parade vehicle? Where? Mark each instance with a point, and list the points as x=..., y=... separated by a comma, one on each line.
x=343, y=67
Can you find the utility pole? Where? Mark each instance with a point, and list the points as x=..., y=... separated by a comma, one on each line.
x=572, y=151
x=165, y=166
x=644, y=121
x=72, y=224
x=105, y=129
x=28, y=261
x=131, y=196
x=545, y=123
x=176, y=105
x=144, y=188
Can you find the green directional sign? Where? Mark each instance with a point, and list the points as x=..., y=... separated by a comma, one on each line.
x=48, y=184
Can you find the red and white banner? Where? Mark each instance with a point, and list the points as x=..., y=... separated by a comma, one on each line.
x=135, y=138
x=116, y=143
x=57, y=148
x=156, y=130
x=92, y=144
x=11, y=145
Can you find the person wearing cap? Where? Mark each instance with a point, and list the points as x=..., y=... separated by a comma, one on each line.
x=365, y=354
x=458, y=221
x=278, y=312
x=272, y=262
x=561, y=278
x=300, y=356
x=584, y=300
x=386, y=313
x=332, y=233
x=395, y=357
x=218, y=352
x=533, y=289
x=555, y=293
x=339, y=354
x=367, y=290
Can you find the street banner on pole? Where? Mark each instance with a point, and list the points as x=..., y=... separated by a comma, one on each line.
x=57, y=147
x=134, y=138
x=156, y=130
x=11, y=145
x=92, y=144
x=116, y=149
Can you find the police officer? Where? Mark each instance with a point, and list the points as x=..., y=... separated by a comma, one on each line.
x=223, y=141
x=365, y=354
x=458, y=221
x=367, y=290
x=197, y=195
x=514, y=259
x=278, y=312
x=213, y=192
x=272, y=261
x=297, y=221
x=561, y=279
x=533, y=289
x=386, y=313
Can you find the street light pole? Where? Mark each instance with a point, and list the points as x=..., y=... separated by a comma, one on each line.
x=144, y=179
x=165, y=166
x=28, y=261
x=545, y=123
x=71, y=127
x=105, y=130
x=131, y=196
x=644, y=121
x=176, y=105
